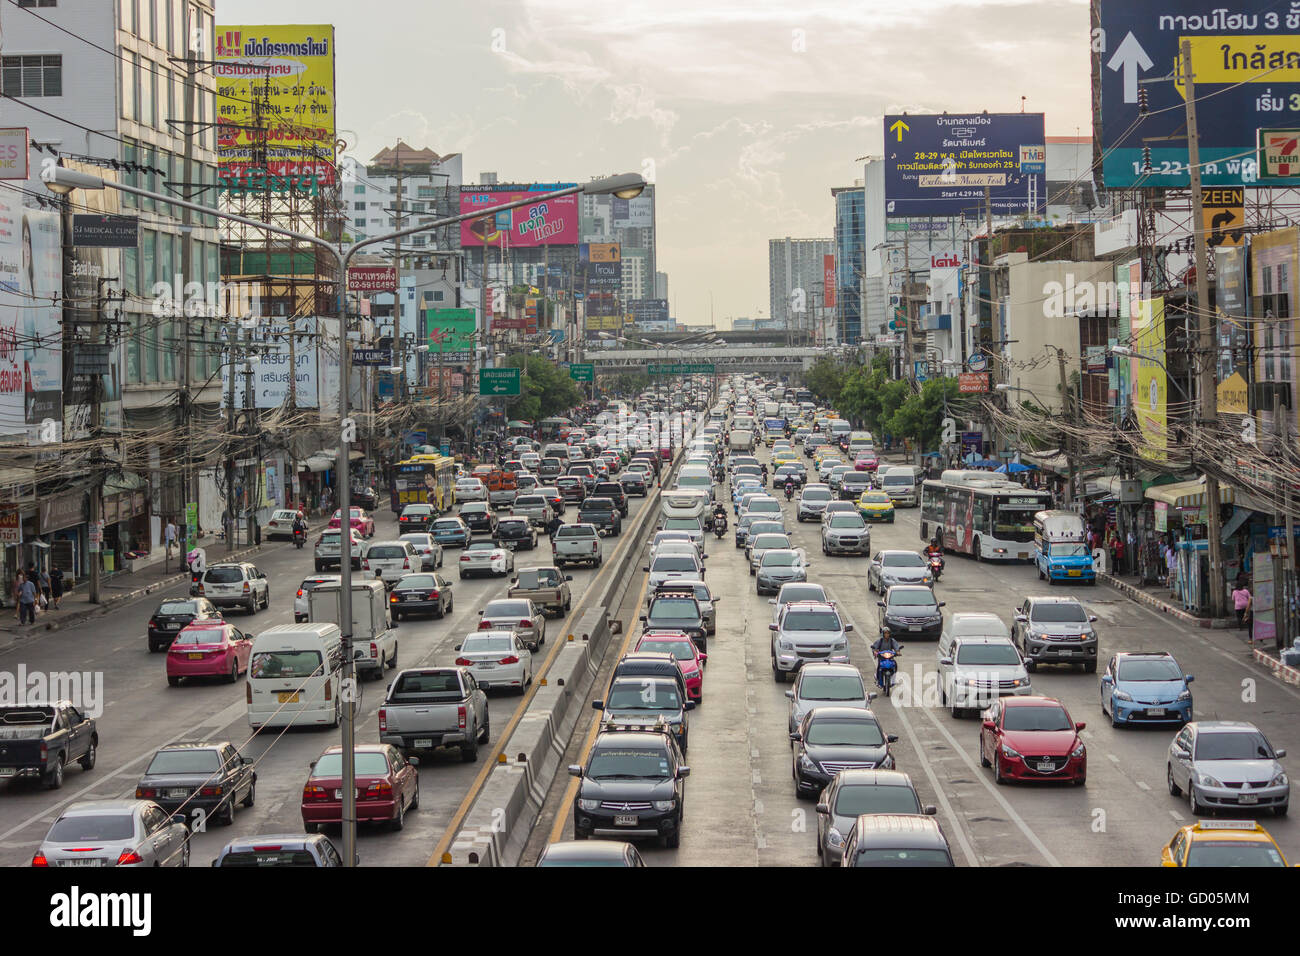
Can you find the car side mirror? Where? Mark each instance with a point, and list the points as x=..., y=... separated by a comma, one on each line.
x=645, y=568
x=246, y=761
x=1080, y=725
x=413, y=761
x=532, y=647
x=1021, y=618
x=568, y=577
x=179, y=818
x=987, y=724
x=683, y=772
x=929, y=809
x=772, y=627
x=880, y=604
x=575, y=770
x=1092, y=619
x=789, y=695
x=943, y=604
x=823, y=808
x=704, y=658
x=1279, y=754
x=796, y=736
x=946, y=661
x=457, y=647
x=312, y=765
x=848, y=627
x=597, y=705
x=689, y=705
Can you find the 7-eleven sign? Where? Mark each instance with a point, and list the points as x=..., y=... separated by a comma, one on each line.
x=1279, y=153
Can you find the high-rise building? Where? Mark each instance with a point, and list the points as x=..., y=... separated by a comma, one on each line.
x=427, y=184
x=850, y=251
x=795, y=269
x=661, y=285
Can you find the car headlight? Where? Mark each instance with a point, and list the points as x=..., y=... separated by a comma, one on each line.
x=1008, y=752
x=1077, y=751
x=806, y=763
x=840, y=646
x=588, y=804
x=663, y=805
x=834, y=837
x=1185, y=695
x=1279, y=780
x=1121, y=695
x=1205, y=780
x=1022, y=682
x=926, y=579
x=785, y=645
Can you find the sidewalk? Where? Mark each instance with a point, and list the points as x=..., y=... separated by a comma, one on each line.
x=1160, y=599
x=114, y=592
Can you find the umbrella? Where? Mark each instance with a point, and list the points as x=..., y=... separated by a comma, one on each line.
x=1014, y=468
x=519, y=424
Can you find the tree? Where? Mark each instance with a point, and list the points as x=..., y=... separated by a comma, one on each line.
x=544, y=389
x=920, y=417
x=825, y=380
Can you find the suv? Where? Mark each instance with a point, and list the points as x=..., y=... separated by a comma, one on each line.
x=911, y=610
x=806, y=632
x=846, y=534
x=603, y=513
x=236, y=585
x=677, y=610
x=516, y=531
x=892, y=567
x=571, y=487
x=614, y=490
x=550, y=469
x=853, y=484
x=638, y=702
x=1055, y=630
x=631, y=785
x=650, y=663
x=975, y=671
x=813, y=502
x=329, y=549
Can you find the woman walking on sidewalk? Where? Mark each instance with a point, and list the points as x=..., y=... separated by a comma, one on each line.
x=1241, y=604
x=56, y=586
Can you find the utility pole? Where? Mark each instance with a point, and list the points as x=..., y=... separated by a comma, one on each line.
x=184, y=404
x=231, y=373
x=1067, y=412
x=399, y=346
x=1208, y=399
x=907, y=367
x=250, y=460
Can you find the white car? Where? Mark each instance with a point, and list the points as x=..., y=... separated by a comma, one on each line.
x=485, y=557
x=976, y=671
x=797, y=591
x=470, y=489
x=675, y=547
x=695, y=541
x=430, y=551
x=684, y=502
x=668, y=566
x=237, y=584
x=391, y=560
x=496, y=659
x=300, y=608
x=280, y=524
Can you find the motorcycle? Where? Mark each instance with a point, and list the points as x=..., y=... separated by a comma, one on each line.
x=719, y=525
x=886, y=668
x=789, y=491
x=299, y=538
x=936, y=565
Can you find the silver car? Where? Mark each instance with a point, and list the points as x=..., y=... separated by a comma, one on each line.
x=391, y=560
x=813, y=501
x=891, y=567
x=534, y=507
x=760, y=544
x=1227, y=763
x=429, y=550
x=807, y=632
x=115, y=833
x=705, y=599
x=780, y=566
x=797, y=591
x=685, y=537
x=846, y=534
x=301, y=609
x=826, y=685
x=515, y=614
x=668, y=566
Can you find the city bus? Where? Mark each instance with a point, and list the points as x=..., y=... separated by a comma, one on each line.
x=981, y=514
x=424, y=479
x=548, y=429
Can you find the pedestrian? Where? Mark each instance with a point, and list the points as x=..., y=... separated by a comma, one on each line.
x=1241, y=604
x=1171, y=566
x=27, y=602
x=169, y=536
x=56, y=586
x=44, y=584
x=17, y=594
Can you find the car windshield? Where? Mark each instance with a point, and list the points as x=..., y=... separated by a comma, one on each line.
x=922, y=597
x=385, y=551
x=681, y=524
x=598, y=504
x=185, y=761
x=675, y=609
x=855, y=801
x=817, y=494
x=495, y=643
x=513, y=524
x=762, y=541
x=683, y=650
x=495, y=609
x=846, y=521
x=1036, y=718
x=876, y=498
x=643, y=695
x=178, y=607
x=368, y=764
x=834, y=732
x=1069, y=550
x=615, y=763
x=801, y=592
x=284, y=664
x=531, y=578
x=779, y=559
x=223, y=576
x=1160, y=670
x=107, y=827
x=987, y=654
x=1233, y=854
x=1059, y=613
x=831, y=687
x=1236, y=745
x=417, y=510
x=812, y=621
x=672, y=562
x=447, y=524
x=902, y=559
x=765, y=506
x=417, y=581
x=474, y=508
x=201, y=635
x=896, y=857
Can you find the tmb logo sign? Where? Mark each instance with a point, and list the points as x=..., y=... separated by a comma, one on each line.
x=945, y=260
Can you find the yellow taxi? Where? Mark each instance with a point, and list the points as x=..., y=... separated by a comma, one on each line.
x=783, y=456
x=826, y=451
x=876, y=506
x=1222, y=843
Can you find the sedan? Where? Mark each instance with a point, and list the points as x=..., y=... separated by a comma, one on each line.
x=831, y=739
x=115, y=833
x=301, y=606
x=429, y=550
x=479, y=516
x=416, y=518
x=496, y=658
x=209, y=778
x=175, y=613
x=208, y=649
x=387, y=786
x=888, y=568
x=590, y=853
x=451, y=531
x=826, y=685
x=1032, y=739
x=470, y=489
x=690, y=659
x=361, y=522
x=855, y=792
x=484, y=557
x=780, y=566
x=420, y=594
x=515, y=614
x=1227, y=763
x=280, y=524
x=1146, y=688
x=516, y=533
x=634, y=483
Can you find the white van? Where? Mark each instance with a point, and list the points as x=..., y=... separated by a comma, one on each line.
x=293, y=676
x=903, y=484
x=684, y=502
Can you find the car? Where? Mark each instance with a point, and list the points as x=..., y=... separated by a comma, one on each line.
x=851, y=794
x=470, y=489
x=677, y=609
x=550, y=468
x=686, y=547
x=703, y=596
x=975, y=670
x=761, y=506
x=807, y=632
x=451, y=531
x=552, y=496
x=361, y=522
x=656, y=664
x=668, y=566
x=1227, y=763
x=391, y=560
x=582, y=853
x=823, y=684
x=422, y=593
x=743, y=525
x=173, y=614
x=366, y=498
x=427, y=547
x=1222, y=843
x=209, y=648
x=825, y=465
x=634, y=482
x=631, y=785
x=603, y=514
x=867, y=461
x=613, y=490
x=516, y=532
x=854, y=484
x=797, y=591
x=238, y=584
x=485, y=557
x=279, y=849
x=838, y=508
x=479, y=517
x=329, y=548
x=387, y=786
x=690, y=659
x=758, y=544
x=835, y=478
x=876, y=506
x=301, y=607
x=515, y=614
x=280, y=524
x=768, y=526
x=911, y=610
x=676, y=537
x=533, y=507
x=780, y=566
x=846, y=534
x=1147, y=687
x=890, y=839
x=115, y=833
x=416, y=517
x=891, y=567
x=1055, y=630
x=498, y=657
x=831, y=739
x=204, y=781
x=571, y=487
x=641, y=702
x=1032, y=739
x=793, y=470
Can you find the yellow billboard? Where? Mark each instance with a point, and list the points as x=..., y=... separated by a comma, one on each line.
x=275, y=107
x=604, y=322
x=1151, y=399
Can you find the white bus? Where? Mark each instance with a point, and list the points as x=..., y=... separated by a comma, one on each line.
x=982, y=514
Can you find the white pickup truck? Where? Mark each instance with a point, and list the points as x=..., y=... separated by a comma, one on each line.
x=576, y=544
x=431, y=707
x=374, y=640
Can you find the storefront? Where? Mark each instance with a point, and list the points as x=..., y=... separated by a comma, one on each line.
x=127, y=530
x=1184, y=507
x=60, y=535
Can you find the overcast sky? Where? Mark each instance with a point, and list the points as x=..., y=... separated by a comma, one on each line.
x=744, y=113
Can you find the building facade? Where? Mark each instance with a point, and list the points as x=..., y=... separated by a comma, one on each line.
x=795, y=271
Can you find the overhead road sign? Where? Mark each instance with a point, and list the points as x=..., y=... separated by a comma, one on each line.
x=940, y=165
x=1246, y=67
x=499, y=382
x=582, y=372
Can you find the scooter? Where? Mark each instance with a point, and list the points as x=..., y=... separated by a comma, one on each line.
x=936, y=566
x=886, y=668
x=719, y=525
x=299, y=539
x=789, y=492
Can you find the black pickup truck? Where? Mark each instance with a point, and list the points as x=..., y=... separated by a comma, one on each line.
x=41, y=740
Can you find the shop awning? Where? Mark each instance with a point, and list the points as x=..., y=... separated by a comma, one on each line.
x=1187, y=494
x=316, y=463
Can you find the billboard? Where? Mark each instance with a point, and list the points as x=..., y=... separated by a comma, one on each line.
x=602, y=304
x=1274, y=258
x=1151, y=398
x=31, y=332
x=553, y=222
x=372, y=278
x=635, y=213
x=1231, y=298
x=450, y=333
x=828, y=281
x=649, y=311
x=1243, y=59
x=291, y=69
x=941, y=165
x=271, y=366
x=601, y=265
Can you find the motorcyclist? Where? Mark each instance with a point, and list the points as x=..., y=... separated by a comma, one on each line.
x=934, y=549
x=299, y=524
x=885, y=642
x=789, y=487
x=720, y=512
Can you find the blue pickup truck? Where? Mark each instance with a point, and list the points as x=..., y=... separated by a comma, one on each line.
x=1061, y=548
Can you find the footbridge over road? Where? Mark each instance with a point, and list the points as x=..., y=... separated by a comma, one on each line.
x=725, y=357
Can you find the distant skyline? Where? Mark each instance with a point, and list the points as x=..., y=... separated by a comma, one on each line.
x=745, y=115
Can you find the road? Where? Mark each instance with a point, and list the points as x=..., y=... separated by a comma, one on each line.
x=740, y=808
x=141, y=713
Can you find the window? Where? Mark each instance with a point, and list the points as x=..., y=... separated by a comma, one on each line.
x=359, y=189
x=144, y=26
x=32, y=75
x=359, y=206
x=359, y=223
x=133, y=351
x=127, y=15
x=34, y=3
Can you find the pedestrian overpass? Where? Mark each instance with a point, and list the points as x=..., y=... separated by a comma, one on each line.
x=726, y=358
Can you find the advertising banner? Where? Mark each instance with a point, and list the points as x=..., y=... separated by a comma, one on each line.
x=603, y=304
x=271, y=370
x=828, y=281
x=968, y=382
x=1274, y=258
x=289, y=68
x=553, y=222
x=120, y=232
x=372, y=278
x=1234, y=337
x=450, y=332
x=1151, y=400
x=14, y=151
x=648, y=311
x=940, y=165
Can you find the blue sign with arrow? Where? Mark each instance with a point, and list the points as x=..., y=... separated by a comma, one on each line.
x=1246, y=70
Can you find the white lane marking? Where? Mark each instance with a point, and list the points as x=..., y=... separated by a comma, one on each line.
x=1143, y=785
x=1176, y=815
x=1018, y=820
x=1112, y=758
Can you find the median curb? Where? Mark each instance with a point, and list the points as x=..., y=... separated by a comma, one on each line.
x=1164, y=607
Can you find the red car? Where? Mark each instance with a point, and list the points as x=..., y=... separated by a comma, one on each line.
x=1032, y=738
x=361, y=522
x=866, y=463
x=387, y=786
x=690, y=660
x=209, y=648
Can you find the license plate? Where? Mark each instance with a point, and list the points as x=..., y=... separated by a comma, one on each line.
x=194, y=657
x=338, y=794
x=1065, y=653
x=1024, y=554
x=177, y=792
x=173, y=627
x=288, y=697
x=423, y=743
x=83, y=861
x=486, y=665
x=1155, y=711
x=914, y=627
x=8, y=771
x=1046, y=766
x=1075, y=574
x=1248, y=798
x=624, y=820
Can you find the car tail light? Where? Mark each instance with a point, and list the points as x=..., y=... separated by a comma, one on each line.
x=246, y=589
x=485, y=625
x=265, y=849
x=248, y=692
x=329, y=693
x=129, y=857
x=374, y=649
x=383, y=720
x=153, y=624
x=433, y=595
x=310, y=793
x=378, y=791
x=406, y=563
x=464, y=557
x=525, y=623
x=509, y=660
x=463, y=662
x=45, y=751
x=39, y=859
x=210, y=791
x=201, y=591
x=595, y=546
x=145, y=793
x=460, y=714
x=365, y=564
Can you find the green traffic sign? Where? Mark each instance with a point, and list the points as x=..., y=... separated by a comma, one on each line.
x=582, y=373
x=499, y=381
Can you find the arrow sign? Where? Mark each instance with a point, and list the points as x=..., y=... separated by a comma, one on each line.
x=1130, y=57
x=499, y=381
x=900, y=127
